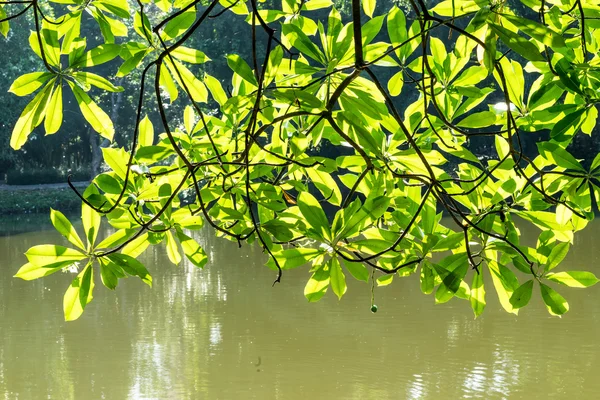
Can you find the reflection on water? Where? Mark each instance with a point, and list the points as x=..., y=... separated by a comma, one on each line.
x=225, y=333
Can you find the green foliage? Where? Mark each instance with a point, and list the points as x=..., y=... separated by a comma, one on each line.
x=37, y=177
x=37, y=200
x=255, y=168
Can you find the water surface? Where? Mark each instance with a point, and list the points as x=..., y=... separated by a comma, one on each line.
x=225, y=333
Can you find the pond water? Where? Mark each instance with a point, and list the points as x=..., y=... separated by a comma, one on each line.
x=225, y=333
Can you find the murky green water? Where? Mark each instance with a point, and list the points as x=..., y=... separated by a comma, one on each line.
x=225, y=333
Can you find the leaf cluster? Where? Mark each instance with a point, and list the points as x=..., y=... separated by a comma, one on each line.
x=254, y=169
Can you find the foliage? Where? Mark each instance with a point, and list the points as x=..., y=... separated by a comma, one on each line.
x=36, y=177
x=255, y=168
x=36, y=200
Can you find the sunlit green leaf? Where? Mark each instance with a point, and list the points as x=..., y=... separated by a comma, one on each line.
x=317, y=284
x=79, y=294
x=555, y=303
x=64, y=226
x=337, y=277
x=477, y=298
x=579, y=279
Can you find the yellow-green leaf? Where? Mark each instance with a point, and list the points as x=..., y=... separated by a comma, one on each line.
x=317, y=285
x=46, y=254
x=29, y=83
x=369, y=7
x=91, y=223
x=192, y=250
x=65, y=228
x=555, y=303
x=54, y=114
x=79, y=294
x=576, y=279
x=477, y=298
x=97, y=118
x=32, y=116
x=337, y=277
x=172, y=249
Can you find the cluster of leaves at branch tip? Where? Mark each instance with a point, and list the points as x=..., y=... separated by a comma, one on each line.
x=316, y=81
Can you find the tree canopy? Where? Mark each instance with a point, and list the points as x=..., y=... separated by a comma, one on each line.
x=348, y=143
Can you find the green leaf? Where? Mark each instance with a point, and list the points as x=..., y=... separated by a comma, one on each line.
x=64, y=227
x=50, y=44
x=567, y=126
x=89, y=78
x=521, y=296
x=337, y=277
x=117, y=160
x=172, y=249
x=456, y=8
x=317, y=284
x=371, y=211
x=505, y=283
x=190, y=55
x=240, y=67
x=314, y=214
x=30, y=118
x=427, y=278
x=119, y=237
x=54, y=113
x=79, y=294
x=477, y=297
x=482, y=119
x=451, y=282
x=595, y=163
x=396, y=26
x=131, y=266
x=141, y=25
x=489, y=56
x=326, y=185
x=91, y=224
x=216, y=90
x=517, y=43
x=555, y=303
x=187, y=80
x=47, y=254
x=357, y=270
x=4, y=26
x=292, y=258
x=179, y=24
x=385, y=280
x=99, y=55
x=146, y=132
x=539, y=32
x=558, y=253
x=97, y=118
x=192, y=249
x=29, y=83
x=108, y=273
x=568, y=75
x=137, y=246
x=395, y=84
x=311, y=5
x=559, y=156
x=299, y=40
x=31, y=271
x=369, y=7
x=131, y=63
x=576, y=279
